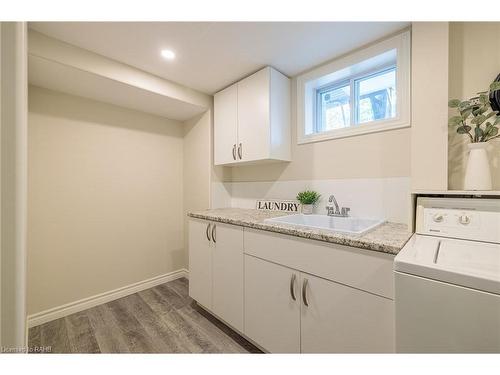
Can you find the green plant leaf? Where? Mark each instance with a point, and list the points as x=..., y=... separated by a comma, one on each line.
x=454, y=103
x=308, y=197
x=478, y=120
x=497, y=120
x=495, y=86
x=465, y=103
x=466, y=113
x=455, y=120
x=493, y=131
x=479, y=110
x=491, y=114
x=489, y=128
x=478, y=132
x=463, y=129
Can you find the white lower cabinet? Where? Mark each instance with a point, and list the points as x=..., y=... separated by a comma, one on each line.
x=227, y=268
x=272, y=316
x=324, y=317
x=291, y=295
x=200, y=262
x=216, y=269
x=341, y=319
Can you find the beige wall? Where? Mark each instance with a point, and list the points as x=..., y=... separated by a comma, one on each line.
x=384, y=154
x=13, y=178
x=474, y=64
x=105, y=188
x=429, y=136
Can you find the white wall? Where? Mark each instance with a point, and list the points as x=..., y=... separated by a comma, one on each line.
x=105, y=198
x=378, y=198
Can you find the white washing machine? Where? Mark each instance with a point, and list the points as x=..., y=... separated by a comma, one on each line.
x=447, y=278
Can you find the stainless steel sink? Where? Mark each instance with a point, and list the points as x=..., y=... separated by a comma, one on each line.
x=337, y=224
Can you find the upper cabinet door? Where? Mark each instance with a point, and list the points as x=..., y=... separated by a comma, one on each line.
x=226, y=126
x=254, y=132
x=339, y=319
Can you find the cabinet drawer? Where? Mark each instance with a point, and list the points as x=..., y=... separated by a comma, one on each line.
x=363, y=269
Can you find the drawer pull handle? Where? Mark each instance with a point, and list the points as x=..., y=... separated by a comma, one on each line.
x=292, y=287
x=213, y=234
x=208, y=228
x=304, y=292
x=234, y=151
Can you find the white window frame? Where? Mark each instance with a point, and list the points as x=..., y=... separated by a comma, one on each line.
x=352, y=67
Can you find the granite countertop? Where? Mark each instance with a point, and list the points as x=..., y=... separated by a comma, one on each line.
x=387, y=237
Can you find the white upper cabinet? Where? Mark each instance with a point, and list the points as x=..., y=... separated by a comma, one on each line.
x=226, y=125
x=252, y=120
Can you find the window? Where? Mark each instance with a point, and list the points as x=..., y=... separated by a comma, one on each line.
x=376, y=96
x=362, y=93
x=333, y=106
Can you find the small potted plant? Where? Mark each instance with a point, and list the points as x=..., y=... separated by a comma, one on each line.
x=308, y=199
x=479, y=123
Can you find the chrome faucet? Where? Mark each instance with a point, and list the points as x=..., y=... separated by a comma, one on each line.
x=335, y=210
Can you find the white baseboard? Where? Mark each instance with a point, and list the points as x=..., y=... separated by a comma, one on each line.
x=99, y=299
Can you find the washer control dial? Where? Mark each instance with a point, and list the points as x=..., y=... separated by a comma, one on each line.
x=464, y=219
x=438, y=218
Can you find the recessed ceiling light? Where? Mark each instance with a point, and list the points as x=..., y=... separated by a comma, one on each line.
x=168, y=54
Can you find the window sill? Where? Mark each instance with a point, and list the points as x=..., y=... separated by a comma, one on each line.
x=353, y=131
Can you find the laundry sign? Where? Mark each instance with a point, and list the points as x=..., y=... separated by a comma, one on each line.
x=278, y=205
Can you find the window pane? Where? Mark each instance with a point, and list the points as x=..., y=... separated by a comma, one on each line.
x=376, y=97
x=334, y=108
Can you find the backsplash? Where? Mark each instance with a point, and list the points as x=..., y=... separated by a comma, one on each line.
x=378, y=198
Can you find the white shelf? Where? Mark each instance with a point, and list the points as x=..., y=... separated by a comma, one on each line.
x=459, y=192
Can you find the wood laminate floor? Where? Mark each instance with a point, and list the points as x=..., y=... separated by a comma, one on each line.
x=163, y=319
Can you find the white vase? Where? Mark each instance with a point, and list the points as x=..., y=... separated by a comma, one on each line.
x=307, y=209
x=477, y=174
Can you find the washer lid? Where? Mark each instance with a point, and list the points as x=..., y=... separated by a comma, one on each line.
x=467, y=263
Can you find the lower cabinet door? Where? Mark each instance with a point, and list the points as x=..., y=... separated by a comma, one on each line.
x=339, y=319
x=272, y=316
x=200, y=262
x=227, y=267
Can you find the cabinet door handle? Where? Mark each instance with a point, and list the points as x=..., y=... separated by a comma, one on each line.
x=213, y=233
x=234, y=151
x=292, y=287
x=240, y=151
x=206, y=232
x=304, y=292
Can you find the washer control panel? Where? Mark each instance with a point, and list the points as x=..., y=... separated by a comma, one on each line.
x=447, y=221
x=465, y=218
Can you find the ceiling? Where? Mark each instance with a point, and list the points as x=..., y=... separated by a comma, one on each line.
x=212, y=55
